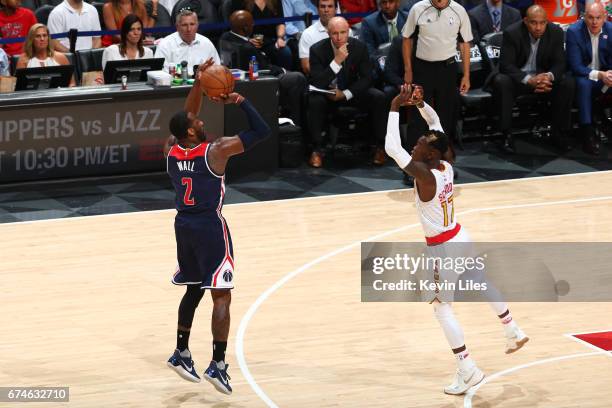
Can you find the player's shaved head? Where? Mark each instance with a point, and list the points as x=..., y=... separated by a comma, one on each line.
x=241, y=22
x=338, y=30
x=536, y=21
x=535, y=10
x=337, y=22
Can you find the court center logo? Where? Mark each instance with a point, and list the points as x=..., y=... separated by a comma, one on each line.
x=228, y=275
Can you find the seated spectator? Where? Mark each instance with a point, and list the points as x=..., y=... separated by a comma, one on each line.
x=589, y=55
x=273, y=42
x=316, y=32
x=394, y=69
x=38, y=52
x=131, y=45
x=406, y=5
x=491, y=17
x=343, y=65
x=532, y=61
x=382, y=26
x=15, y=22
x=357, y=6
x=292, y=84
x=74, y=14
x=186, y=44
x=293, y=8
x=114, y=11
x=4, y=63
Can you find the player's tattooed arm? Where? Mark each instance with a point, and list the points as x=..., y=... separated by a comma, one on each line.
x=193, y=103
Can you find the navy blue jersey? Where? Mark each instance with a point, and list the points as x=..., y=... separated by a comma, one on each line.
x=198, y=189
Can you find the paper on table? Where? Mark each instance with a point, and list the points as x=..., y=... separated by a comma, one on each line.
x=315, y=89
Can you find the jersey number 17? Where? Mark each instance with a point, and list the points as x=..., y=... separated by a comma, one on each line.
x=445, y=205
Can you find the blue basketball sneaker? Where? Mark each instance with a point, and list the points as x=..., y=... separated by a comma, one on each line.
x=184, y=367
x=217, y=375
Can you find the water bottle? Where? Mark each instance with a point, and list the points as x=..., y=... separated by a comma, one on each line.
x=184, y=71
x=253, y=69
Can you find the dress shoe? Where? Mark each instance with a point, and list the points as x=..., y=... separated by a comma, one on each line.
x=563, y=141
x=591, y=141
x=591, y=146
x=379, y=156
x=508, y=145
x=316, y=160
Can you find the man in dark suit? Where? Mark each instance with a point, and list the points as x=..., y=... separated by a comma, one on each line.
x=382, y=26
x=532, y=61
x=589, y=55
x=342, y=64
x=238, y=45
x=492, y=16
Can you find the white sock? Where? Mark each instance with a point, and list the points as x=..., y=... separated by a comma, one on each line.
x=464, y=361
x=509, y=324
x=185, y=353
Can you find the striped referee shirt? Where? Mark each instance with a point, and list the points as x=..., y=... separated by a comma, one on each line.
x=438, y=30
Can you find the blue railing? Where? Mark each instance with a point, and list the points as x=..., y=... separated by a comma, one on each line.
x=307, y=18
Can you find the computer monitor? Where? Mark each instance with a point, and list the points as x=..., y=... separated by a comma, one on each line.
x=43, y=77
x=135, y=70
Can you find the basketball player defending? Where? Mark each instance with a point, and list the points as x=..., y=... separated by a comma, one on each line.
x=434, y=188
x=196, y=164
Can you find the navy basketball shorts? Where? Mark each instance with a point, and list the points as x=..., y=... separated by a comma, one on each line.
x=204, y=252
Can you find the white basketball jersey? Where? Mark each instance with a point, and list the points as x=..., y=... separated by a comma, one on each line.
x=438, y=214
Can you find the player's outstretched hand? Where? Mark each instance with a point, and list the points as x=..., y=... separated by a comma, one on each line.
x=204, y=66
x=234, y=97
x=403, y=98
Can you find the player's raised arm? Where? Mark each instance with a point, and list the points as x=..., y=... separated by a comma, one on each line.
x=393, y=143
x=193, y=103
x=225, y=147
x=427, y=112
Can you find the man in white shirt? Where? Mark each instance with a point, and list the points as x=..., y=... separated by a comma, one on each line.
x=74, y=14
x=589, y=54
x=186, y=44
x=316, y=32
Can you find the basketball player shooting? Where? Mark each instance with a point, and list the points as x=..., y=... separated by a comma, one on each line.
x=196, y=163
x=435, y=206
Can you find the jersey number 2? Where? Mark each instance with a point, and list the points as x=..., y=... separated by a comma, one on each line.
x=187, y=199
x=445, y=205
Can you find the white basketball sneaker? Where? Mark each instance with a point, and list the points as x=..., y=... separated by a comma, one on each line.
x=464, y=380
x=515, y=339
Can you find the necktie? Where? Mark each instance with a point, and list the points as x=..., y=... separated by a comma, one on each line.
x=496, y=19
x=341, y=81
x=393, y=30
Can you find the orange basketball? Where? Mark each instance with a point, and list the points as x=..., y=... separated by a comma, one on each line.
x=217, y=80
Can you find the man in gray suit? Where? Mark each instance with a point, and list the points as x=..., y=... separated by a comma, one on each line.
x=490, y=17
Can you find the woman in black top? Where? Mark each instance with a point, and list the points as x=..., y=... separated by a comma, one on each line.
x=273, y=43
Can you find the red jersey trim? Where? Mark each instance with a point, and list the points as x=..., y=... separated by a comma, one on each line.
x=443, y=237
x=180, y=153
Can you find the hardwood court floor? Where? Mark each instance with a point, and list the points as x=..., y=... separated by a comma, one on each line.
x=87, y=303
